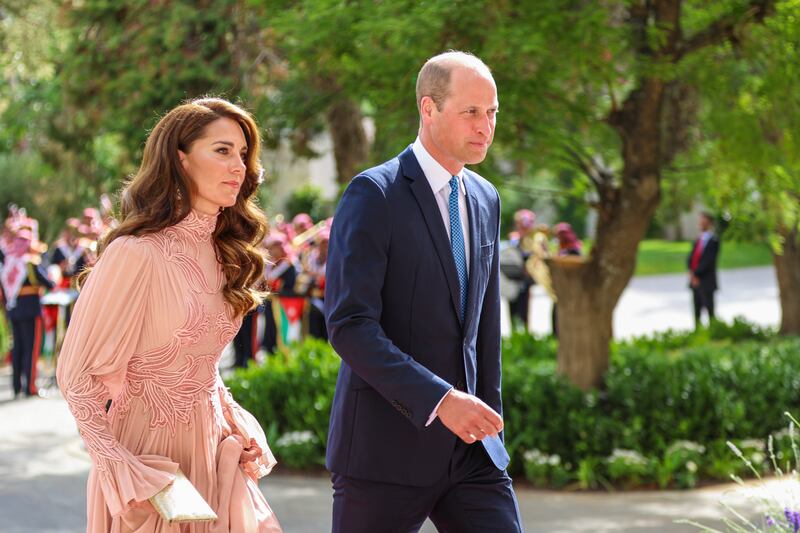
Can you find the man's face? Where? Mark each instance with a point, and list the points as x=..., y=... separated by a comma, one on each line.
x=704, y=223
x=462, y=131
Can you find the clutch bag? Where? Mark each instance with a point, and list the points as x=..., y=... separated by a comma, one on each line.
x=180, y=502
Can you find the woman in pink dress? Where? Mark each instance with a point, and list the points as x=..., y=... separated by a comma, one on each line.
x=165, y=296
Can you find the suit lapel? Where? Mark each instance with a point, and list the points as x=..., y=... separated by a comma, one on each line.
x=474, y=249
x=422, y=192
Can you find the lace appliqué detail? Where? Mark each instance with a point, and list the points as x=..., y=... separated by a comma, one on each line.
x=86, y=400
x=228, y=327
x=168, y=388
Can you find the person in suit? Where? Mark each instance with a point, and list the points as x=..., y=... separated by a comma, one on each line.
x=702, y=264
x=413, y=309
x=23, y=280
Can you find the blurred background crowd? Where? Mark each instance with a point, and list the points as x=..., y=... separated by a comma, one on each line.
x=296, y=249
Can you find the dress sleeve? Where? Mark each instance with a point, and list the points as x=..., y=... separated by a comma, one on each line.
x=244, y=424
x=103, y=333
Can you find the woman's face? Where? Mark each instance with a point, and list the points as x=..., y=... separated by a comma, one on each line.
x=216, y=165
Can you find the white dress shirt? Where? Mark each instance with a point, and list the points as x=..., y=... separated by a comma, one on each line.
x=439, y=180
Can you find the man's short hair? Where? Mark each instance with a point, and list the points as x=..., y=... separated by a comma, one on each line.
x=434, y=77
x=708, y=216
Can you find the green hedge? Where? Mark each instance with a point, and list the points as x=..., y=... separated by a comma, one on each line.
x=291, y=395
x=670, y=403
x=5, y=337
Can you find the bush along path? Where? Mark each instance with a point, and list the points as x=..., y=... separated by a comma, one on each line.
x=669, y=405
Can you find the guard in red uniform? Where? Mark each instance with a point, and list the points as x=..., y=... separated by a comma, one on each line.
x=23, y=280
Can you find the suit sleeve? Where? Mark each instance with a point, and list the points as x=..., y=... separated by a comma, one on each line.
x=358, y=256
x=102, y=336
x=488, y=342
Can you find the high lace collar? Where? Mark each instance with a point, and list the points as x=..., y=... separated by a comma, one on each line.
x=199, y=225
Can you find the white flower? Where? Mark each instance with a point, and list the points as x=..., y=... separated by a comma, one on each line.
x=294, y=438
x=751, y=444
x=630, y=457
x=540, y=458
x=687, y=445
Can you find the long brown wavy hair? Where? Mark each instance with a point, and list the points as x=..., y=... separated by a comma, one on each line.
x=153, y=199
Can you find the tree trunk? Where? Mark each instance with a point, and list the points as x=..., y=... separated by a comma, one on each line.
x=588, y=290
x=787, y=270
x=584, y=323
x=350, y=149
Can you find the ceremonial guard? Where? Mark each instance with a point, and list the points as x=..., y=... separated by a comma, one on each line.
x=311, y=280
x=24, y=280
x=283, y=307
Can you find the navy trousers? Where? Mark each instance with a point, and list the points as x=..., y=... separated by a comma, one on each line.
x=245, y=344
x=472, y=496
x=703, y=298
x=22, y=356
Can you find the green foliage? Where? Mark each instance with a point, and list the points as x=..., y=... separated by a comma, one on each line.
x=5, y=336
x=309, y=199
x=291, y=392
x=705, y=387
x=663, y=257
x=628, y=467
x=680, y=464
x=299, y=449
x=670, y=403
x=751, y=116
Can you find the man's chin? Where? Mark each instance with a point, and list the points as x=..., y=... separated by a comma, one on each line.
x=476, y=159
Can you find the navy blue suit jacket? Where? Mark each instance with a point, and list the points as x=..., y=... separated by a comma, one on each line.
x=706, y=270
x=391, y=301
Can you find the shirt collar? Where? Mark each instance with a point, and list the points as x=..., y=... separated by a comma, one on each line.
x=437, y=175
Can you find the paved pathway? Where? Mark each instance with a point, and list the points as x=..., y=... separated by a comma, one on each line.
x=43, y=465
x=658, y=303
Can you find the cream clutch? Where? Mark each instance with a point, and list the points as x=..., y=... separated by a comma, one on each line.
x=180, y=502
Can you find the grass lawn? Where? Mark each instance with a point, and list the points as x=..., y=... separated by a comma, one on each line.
x=667, y=257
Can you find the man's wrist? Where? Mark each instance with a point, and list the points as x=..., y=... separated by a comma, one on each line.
x=435, y=411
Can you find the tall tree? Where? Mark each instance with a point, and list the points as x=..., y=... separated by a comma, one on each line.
x=751, y=117
x=661, y=35
x=127, y=62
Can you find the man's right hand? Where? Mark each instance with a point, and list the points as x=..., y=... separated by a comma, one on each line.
x=468, y=417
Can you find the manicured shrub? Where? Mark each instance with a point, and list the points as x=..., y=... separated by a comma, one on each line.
x=672, y=399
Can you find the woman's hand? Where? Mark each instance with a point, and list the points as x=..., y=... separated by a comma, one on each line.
x=143, y=506
x=250, y=453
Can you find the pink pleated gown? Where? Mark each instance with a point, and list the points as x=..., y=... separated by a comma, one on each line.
x=147, y=333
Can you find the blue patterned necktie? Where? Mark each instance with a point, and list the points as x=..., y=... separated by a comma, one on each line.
x=457, y=243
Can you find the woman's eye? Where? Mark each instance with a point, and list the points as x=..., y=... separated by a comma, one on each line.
x=222, y=150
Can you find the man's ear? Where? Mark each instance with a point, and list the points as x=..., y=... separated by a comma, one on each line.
x=426, y=107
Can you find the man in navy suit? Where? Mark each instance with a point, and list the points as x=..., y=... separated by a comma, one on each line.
x=702, y=263
x=413, y=309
